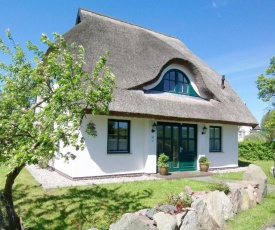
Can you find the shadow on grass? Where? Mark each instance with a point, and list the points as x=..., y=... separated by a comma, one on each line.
x=243, y=163
x=76, y=207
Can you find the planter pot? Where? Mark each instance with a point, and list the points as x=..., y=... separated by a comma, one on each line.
x=163, y=170
x=204, y=167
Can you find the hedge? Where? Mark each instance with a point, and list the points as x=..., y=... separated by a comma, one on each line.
x=256, y=150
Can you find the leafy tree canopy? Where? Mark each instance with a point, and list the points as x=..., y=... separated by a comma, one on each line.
x=266, y=87
x=43, y=101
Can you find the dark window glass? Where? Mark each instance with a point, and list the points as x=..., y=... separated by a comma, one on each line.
x=175, y=81
x=118, y=136
x=215, y=139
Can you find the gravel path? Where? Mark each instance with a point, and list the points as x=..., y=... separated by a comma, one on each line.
x=51, y=179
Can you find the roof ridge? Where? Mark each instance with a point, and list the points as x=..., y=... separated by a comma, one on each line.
x=132, y=24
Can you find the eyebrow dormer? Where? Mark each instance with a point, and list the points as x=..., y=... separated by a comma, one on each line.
x=176, y=79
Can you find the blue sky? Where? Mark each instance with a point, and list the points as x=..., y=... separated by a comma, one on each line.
x=235, y=37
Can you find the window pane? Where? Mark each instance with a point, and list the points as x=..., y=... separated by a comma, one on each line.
x=175, y=147
x=112, y=143
x=184, y=145
x=217, y=145
x=180, y=77
x=168, y=145
x=166, y=76
x=123, y=144
x=211, y=132
x=191, y=145
x=160, y=145
x=185, y=88
x=191, y=132
x=172, y=86
x=180, y=87
x=212, y=144
x=118, y=136
x=167, y=131
x=160, y=131
x=217, y=132
x=172, y=76
x=185, y=81
x=184, y=132
x=166, y=85
x=123, y=129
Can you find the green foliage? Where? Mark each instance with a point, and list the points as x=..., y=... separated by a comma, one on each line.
x=267, y=124
x=204, y=160
x=220, y=187
x=256, y=150
x=254, y=137
x=163, y=160
x=266, y=87
x=180, y=201
x=43, y=101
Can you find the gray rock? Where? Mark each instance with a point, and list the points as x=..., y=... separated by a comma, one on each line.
x=165, y=221
x=235, y=196
x=129, y=221
x=188, y=220
x=245, y=200
x=213, y=210
x=166, y=208
x=256, y=174
x=203, y=214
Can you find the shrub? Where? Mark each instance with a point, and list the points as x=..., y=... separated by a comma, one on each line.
x=255, y=137
x=163, y=160
x=254, y=151
x=204, y=160
x=180, y=201
x=221, y=187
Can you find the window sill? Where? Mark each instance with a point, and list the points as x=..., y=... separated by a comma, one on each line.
x=119, y=153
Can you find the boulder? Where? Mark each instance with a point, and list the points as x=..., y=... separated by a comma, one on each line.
x=129, y=221
x=213, y=210
x=188, y=220
x=165, y=221
x=166, y=208
x=235, y=195
x=256, y=174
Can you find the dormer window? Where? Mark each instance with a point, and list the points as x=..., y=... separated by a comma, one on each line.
x=175, y=81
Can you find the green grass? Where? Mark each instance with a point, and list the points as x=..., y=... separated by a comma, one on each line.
x=86, y=206
x=256, y=218
x=265, y=165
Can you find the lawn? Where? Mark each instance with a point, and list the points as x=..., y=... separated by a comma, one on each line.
x=86, y=206
x=265, y=165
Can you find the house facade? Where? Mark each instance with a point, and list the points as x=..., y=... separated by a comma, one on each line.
x=167, y=100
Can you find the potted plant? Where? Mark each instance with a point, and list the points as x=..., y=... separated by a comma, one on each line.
x=163, y=164
x=204, y=164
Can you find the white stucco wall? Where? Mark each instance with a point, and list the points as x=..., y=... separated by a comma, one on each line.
x=94, y=159
x=228, y=157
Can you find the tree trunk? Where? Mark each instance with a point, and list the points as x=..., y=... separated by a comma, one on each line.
x=13, y=218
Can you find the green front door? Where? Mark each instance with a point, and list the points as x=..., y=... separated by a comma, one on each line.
x=179, y=142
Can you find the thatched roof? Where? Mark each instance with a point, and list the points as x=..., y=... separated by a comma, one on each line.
x=137, y=58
